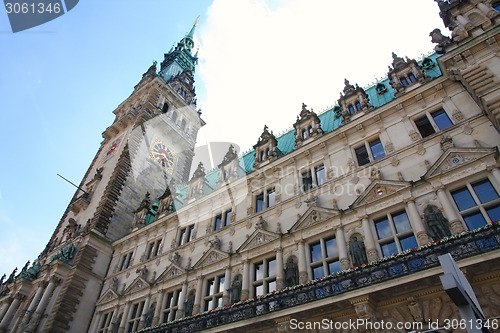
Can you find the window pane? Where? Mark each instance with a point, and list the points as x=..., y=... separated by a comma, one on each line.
x=475, y=220
x=259, y=271
x=259, y=290
x=331, y=247
x=494, y=213
x=210, y=287
x=408, y=243
x=377, y=149
x=320, y=175
x=306, y=180
x=271, y=267
x=272, y=286
x=318, y=272
x=463, y=199
x=389, y=249
x=424, y=127
x=401, y=222
x=404, y=82
x=334, y=267
x=412, y=77
x=228, y=217
x=218, y=222
x=362, y=155
x=209, y=305
x=351, y=109
x=220, y=287
x=442, y=120
x=485, y=191
x=383, y=228
x=181, y=236
x=304, y=134
x=218, y=301
x=316, y=252
x=259, y=203
x=358, y=106
x=271, y=198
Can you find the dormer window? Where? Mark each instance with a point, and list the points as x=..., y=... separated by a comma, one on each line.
x=266, y=148
x=351, y=109
x=357, y=105
x=304, y=134
x=412, y=78
x=404, y=82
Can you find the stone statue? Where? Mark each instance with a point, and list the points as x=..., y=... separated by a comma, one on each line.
x=114, y=284
x=236, y=290
x=23, y=270
x=150, y=216
x=32, y=272
x=358, y=254
x=142, y=272
x=415, y=309
x=437, y=225
x=2, y=279
x=442, y=41
x=291, y=273
x=65, y=254
x=148, y=317
x=188, y=305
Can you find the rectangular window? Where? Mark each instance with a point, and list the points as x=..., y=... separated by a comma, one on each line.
x=125, y=261
x=264, y=277
x=424, y=126
x=306, y=181
x=369, y=152
x=185, y=235
x=105, y=324
x=218, y=222
x=170, y=305
x=213, y=293
x=324, y=257
x=271, y=197
x=259, y=203
x=395, y=234
x=320, y=174
x=433, y=122
x=223, y=220
x=135, y=315
x=265, y=200
x=153, y=249
x=441, y=119
x=478, y=203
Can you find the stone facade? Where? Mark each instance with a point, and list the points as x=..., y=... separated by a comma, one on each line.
x=342, y=218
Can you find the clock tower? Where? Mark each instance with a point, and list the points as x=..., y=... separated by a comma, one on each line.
x=148, y=147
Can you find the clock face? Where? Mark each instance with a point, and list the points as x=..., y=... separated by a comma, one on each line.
x=163, y=155
x=112, y=149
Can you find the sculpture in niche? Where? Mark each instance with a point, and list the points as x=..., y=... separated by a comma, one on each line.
x=291, y=273
x=188, y=305
x=437, y=225
x=358, y=253
x=236, y=290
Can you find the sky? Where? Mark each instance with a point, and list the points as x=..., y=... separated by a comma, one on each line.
x=259, y=60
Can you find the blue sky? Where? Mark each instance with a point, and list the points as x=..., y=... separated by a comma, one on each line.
x=259, y=60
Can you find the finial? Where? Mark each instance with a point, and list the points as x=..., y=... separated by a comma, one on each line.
x=196, y=21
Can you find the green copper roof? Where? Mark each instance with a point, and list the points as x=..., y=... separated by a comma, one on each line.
x=329, y=123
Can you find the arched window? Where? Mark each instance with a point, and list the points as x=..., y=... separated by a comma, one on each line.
x=412, y=78
x=310, y=129
x=267, y=152
x=351, y=109
x=174, y=116
x=183, y=124
x=496, y=5
x=358, y=106
x=164, y=108
x=404, y=82
x=262, y=155
x=304, y=134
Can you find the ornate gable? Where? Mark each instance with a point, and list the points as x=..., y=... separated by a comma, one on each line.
x=257, y=238
x=107, y=297
x=266, y=148
x=138, y=285
x=454, y=157
x=307, y=126
x=211, y=256
x=172, y=271
x=313, y=215
x=353, y=99
x=380, y=189
x=404, y=74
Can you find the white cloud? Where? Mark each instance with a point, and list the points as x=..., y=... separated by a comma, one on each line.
x=259, y=60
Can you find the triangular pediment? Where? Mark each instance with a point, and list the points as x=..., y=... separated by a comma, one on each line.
x=313, y=215
x=138, y=285
x=258, y=238
x=210, y=257
x=380, y=189
x=108, y=296
x=172, y=271
x=456, y=157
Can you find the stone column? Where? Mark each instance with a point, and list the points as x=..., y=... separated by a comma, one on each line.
x=34, y=303
x=114, y=317
x=280, y=280
x=456, y=226
x=4, y=308
x=245, y=283
x=199, y=292
x=302, y=264
x=42, y=305
x=227, y=285
x=123, y=322
x=342, y=246
x=371, y=250
x=96, y=322
x=6, y=320
x=145, y=309
x=416, y=222
x=182, y=300
x=159, y=306
x=496, y=174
